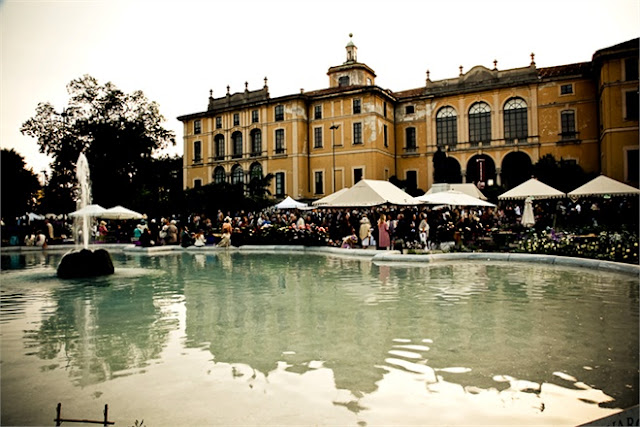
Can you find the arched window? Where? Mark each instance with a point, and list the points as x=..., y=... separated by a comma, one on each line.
x=237, y=175
x=515, y=120
x=255, y=171
x=446, y=127
x=256, y=142
x=219, y=143
x=219, y=175
x=236, y=139
x=480, y=123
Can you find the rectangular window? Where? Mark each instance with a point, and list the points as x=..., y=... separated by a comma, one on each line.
x=317, y=112
x=279, y=184
x=317, y=137
x=409, y=109
x=631, y=101
x=279, y=113
x=566, y=89
x=386, y=135
x=568, y=124
x=319, y=184
x=197, y=127
x=631, y=69
x=255, y=117
x=384, y=109
x=410, y=142
x=218, y=122
x=236, y=119
x=356, y=106
x=358, y=173
x=280, y=146
x=197, y=152
x=357, y=133
x=197, y=183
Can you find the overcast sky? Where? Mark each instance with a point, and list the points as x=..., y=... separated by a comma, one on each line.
x=175, y=51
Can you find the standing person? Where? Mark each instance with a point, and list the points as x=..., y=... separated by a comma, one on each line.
x=401, y=232
x=383, y=232
x=423, y=230
x=227, y=228
x=172, y=233
x=363, y=233
x=102, y=231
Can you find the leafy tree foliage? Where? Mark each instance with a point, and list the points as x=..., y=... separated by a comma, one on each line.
x=562, y=174
x=19, y=186
x=118, y=133
x=227, y=197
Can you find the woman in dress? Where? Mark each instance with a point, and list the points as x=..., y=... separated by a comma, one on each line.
x=383, y=232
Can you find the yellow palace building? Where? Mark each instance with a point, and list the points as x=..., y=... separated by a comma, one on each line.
x=486, y=126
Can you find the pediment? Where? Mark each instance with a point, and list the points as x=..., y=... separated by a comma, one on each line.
x=478, y=74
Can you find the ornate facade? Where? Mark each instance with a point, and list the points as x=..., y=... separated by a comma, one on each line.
x=486, y=126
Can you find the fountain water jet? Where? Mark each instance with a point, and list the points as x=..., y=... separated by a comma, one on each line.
x=84, y=262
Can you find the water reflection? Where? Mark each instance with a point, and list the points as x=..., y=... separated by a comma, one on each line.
x=517, y=337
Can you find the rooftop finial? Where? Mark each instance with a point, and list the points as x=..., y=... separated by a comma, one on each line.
x=228, y=90
x=352, y=51
x=265, y=82
x=461, y=70
x=210, y=93
x=246, y=86
x=533, y=62
x=495, y=64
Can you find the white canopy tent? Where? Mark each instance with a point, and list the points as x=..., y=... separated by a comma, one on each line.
x=369, y=192
x=601, y=186
x=469, y=189
x=89, y=210
x=120, y=212
x=532, y=188
x=453, y=198
x=327, y=199
x=290, y=203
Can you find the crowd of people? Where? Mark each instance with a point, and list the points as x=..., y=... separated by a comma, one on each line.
x=383, y=227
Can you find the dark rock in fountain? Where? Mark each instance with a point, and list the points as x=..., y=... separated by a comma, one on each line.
x=85, y=263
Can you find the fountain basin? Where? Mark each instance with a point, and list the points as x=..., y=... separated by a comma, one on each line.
x=85, y=263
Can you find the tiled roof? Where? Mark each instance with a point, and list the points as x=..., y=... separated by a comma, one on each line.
x=581, y=68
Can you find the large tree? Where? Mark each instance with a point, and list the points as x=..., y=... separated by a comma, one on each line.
x=19, y=185
x=118, y=133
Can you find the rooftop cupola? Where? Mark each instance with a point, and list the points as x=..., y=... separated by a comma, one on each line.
x=352, y=51
x=351, y=72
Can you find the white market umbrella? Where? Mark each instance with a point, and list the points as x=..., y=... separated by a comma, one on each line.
x=120, y=212
x=452, y=198
x=290, y=203
x=603, y=185
x=89, y=210
x=528, y=218
x=327, y=199
x=532, y=188
x=370, y=192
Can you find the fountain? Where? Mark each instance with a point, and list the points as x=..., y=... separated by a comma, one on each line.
x=84, y=262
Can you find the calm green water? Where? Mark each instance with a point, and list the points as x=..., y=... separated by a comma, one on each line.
x=239, y=339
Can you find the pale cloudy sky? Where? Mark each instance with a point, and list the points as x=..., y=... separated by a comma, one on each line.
x=175, y=51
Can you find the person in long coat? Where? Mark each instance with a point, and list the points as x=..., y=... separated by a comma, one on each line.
x=383, y=232
x=365, y=228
